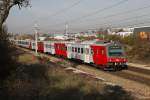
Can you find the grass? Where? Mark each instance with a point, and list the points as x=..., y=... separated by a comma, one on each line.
x=36, y=81
x=27, y=58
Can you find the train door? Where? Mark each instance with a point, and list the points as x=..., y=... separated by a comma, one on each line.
x=69, y=51
x=30, y=45
x=52, y=50
x=99, y=55
x=56, y=48
x=64, y=50
x=45, y=47
x=33, y=45
x=40, y=46
x=87, y=54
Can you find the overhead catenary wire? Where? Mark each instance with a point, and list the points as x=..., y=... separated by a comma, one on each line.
x=127, y=20
x=125, y=12
x=94, y=13
x=67, y=8
x=116, y=14
x=99, y=10
x=121, y=13
x=122, y=20
x=135, y=24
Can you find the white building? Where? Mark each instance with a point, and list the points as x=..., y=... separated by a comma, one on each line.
x=60, y=37
x=41, y=38
x=122, y=32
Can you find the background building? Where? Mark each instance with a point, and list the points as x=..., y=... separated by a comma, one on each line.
x=142, y=33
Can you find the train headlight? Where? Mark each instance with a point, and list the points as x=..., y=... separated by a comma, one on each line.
x=117, y=60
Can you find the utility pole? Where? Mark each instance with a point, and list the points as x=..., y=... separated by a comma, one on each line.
x=36, y=38
x=66, y=29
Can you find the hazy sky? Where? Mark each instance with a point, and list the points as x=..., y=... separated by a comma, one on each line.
x=81, y=15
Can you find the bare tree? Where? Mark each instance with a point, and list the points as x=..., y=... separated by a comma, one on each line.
x=5, y=7
x=6, y=61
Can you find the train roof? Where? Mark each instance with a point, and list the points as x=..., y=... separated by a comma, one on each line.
x=90, y=42
x=97, y=42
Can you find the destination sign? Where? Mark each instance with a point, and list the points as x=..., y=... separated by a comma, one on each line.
x=115, y=47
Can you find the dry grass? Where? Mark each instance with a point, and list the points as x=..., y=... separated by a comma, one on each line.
x=27, y=59
x=34, y=81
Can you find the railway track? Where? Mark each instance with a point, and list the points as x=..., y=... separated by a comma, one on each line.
x=138, y=77
x=139, y=70
x=134, y=75
x=131, y=75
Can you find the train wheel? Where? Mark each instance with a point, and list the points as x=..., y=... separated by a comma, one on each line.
x=115, y=68
x=119, y=68
x=125, y=67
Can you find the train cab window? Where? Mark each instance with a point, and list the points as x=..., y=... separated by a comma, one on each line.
x=81, y=50
x=75, y=49
x=78, y=50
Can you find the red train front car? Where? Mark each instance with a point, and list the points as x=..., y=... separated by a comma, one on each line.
x=109, y=56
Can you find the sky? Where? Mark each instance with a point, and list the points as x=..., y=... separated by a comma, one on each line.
x=51, y=16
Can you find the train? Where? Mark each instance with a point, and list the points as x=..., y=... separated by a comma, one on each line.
x=106, y=55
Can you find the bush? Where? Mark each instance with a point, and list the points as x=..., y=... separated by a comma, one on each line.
x=140, y=51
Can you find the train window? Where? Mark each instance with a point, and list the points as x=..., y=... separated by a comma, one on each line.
x=46, y=46
x=87, y=50
x=72, y=49
x=81, y=50
x=75, y=49
x=78, y=50
x=52, y=46
x=92, y=51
